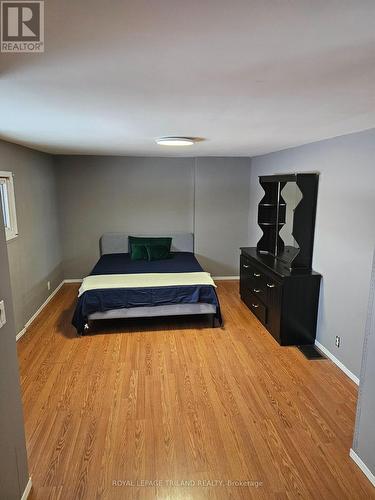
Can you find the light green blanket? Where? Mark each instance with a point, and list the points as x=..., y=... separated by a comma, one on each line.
x=102, y=281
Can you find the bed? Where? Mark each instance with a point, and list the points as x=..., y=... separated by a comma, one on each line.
x=119, y=287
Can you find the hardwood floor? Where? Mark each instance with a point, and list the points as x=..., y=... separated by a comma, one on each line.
x=183, y=406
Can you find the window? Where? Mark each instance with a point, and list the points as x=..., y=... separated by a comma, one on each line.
x=8, y=204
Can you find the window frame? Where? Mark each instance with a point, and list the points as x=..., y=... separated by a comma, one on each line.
x=12, y=231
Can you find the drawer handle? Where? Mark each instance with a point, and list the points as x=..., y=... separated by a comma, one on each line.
x=256, y=290
x=255, y=305
x=271, y=285
x=256, y=275
x=245, y=266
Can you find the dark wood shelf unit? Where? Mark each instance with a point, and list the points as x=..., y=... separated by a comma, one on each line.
x=277, y=282
x=272, y=210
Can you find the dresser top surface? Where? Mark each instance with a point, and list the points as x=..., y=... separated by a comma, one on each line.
x=275, y=265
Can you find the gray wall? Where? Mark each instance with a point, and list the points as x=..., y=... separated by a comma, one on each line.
x=221, y=212
x=345, y=231
x=35, y=256
x=13, y=459
x=364, y=436
x=151, y=195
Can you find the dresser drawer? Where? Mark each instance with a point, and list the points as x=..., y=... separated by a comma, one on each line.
x=250, y=270
x=256, y=306
x=251, y=277
x=258, y=290
x=272, y=291
x=262, y=285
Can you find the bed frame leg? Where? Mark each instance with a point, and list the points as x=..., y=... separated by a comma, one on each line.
x=86, y=328
x=213, y=321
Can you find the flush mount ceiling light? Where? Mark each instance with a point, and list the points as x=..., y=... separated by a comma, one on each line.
x=174, y=141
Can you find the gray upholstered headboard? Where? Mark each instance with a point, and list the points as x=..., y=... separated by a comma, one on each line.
x=118, y=242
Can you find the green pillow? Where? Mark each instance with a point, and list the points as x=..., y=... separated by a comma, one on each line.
x=158, y=252
x=140, y=240
x=139, y=252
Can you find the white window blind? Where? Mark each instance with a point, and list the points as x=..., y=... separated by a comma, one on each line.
x=8, y=204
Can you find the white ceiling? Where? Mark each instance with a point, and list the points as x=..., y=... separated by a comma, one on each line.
x=249, y=76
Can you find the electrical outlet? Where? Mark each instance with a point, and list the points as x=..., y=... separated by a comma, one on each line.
x=3, y=318
x=338, y=341
x=48, y=285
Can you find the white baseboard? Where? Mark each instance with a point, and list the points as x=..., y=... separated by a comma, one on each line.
x=337, y=362
x=225, y=278
x=26, y=493
x=20, y=334
x=23, y=331
x=75, y=280
x=366, y=471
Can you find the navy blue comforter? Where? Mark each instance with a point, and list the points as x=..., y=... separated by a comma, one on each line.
x=117, y=298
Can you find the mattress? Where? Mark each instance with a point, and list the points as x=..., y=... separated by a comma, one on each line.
x=100, y=301
x=121, y=263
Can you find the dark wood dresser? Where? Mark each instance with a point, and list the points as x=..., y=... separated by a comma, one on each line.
x=285, y=301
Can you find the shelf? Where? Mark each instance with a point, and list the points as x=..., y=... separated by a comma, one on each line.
x=272, y=204
x=271, y=223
